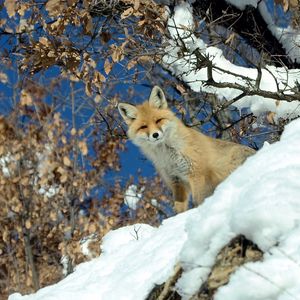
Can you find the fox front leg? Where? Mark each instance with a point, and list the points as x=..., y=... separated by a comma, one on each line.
x=201, y=188
x=180, y=196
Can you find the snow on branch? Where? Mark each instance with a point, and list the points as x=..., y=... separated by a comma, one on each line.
x=204, y=68
x=288, y=37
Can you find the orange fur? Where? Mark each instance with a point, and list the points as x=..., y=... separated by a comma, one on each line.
x=188, y=161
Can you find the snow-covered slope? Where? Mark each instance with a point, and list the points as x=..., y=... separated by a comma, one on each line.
x=260, y=200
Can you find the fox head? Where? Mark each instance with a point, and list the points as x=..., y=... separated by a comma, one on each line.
x=150, y=123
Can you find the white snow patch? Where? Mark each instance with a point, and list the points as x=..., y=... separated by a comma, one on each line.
x=154, y=202
x=241, y=4
x=5, y=160
x=132, y=197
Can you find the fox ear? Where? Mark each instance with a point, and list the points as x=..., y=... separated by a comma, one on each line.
x=127, y=111
x=157, y=98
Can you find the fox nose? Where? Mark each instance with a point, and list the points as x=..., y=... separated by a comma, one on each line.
x=155, y=135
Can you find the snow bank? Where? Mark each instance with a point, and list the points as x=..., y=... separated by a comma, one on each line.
x=261, y=200
x=183, y=65
x=133, y=260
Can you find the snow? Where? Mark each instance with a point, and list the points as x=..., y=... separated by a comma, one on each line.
x=289, y=37
x=182, y=65
x=128, y=267
x=4, y=163
x=241, y=4
x=84, y=244
x=260, y=200
x=132, y=197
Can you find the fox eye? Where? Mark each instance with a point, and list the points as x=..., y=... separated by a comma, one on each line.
x=143, y=127
x=159, y=120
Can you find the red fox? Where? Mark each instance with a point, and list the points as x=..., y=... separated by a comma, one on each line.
x=188, y=161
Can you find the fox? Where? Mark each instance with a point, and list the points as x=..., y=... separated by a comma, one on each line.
x=189, y=162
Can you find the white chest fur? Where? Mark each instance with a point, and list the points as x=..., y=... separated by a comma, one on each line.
x=169, y=161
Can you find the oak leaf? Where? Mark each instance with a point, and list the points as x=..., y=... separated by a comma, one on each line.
x=3, y=78
x=11, y=7
x=67, y=161
x=107, y=66
x=127, y=13
x=83, y=147
x=28, y=224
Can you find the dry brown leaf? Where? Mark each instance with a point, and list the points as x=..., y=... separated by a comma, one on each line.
x=127, y=13
x=83, y=147
x=26, y=98
x=230, y=39
x=22, y=9
x=73, y=131
x=92, y=228
x=61, y=170
x=52, y=6
x=3, y=78
x=181, y=88
x=28, y=224
x=294, y=3
x=63, y=178
x=24, y=181
x=64, y=140
x=11, y=7
x=74, y=78
x=136, y=4
x=105, y=37
x=28, y=281
x=107, y=66
x=285, y=5
x=271, y=117
x=50, y=135
x=53, y=216
x=131, y=64
x=44, y=41
x=5, y=236
x=144, y=59
x=67, y=161
x=98, y=99
x=2, y=22
x=88, y=22
x=98, y=77
x=117, y=54
x=88, y=89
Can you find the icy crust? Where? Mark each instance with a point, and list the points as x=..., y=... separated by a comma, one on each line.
x=260, y=200
x=183, y=66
